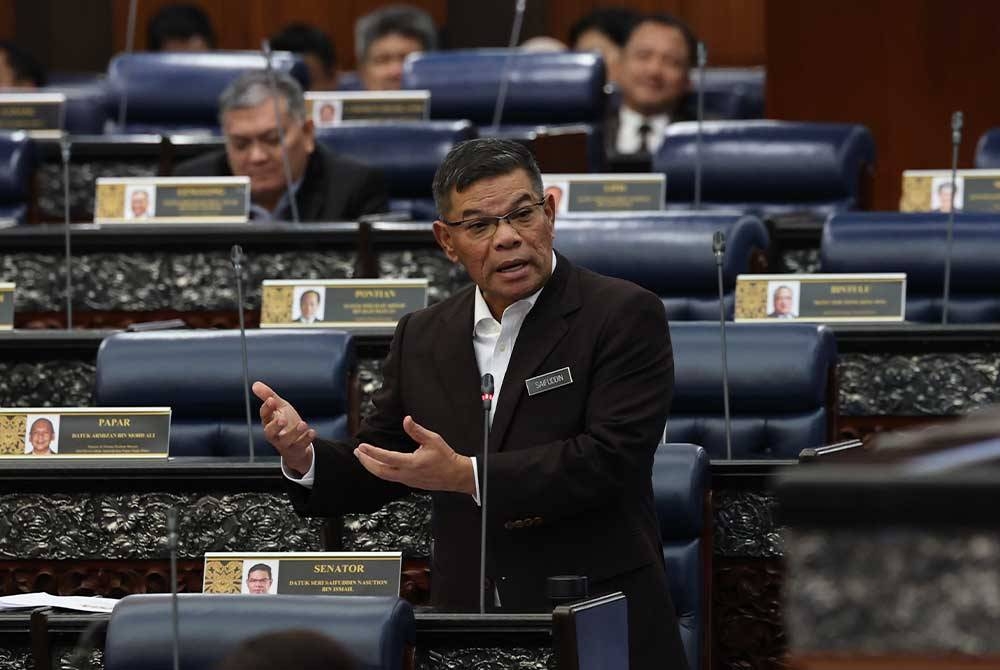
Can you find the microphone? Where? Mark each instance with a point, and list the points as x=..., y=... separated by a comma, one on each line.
x=487, y=392
x=237, y=257
x=719, y=249
x=64, y=149
x=956, y=140
x=265, y=48
x=174, y=618
x=129, y=46
x=702, y=60
x=515, y=37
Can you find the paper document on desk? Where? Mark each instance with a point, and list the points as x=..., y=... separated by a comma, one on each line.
x=78, y=603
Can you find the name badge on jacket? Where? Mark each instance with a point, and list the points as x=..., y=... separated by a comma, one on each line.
x=548, y=381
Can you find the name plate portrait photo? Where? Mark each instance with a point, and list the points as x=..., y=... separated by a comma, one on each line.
x=931, y=191
x=823, y=298
x=172, y=200
x=38, y=114
x=6, y=306
x=606, y=192
x=339, y=303
x=375, y=573
x=328, y=109
x=84, y=432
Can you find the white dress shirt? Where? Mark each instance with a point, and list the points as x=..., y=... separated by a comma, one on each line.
x=629, y=140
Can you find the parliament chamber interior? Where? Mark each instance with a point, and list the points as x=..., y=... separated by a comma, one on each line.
x=784, y=467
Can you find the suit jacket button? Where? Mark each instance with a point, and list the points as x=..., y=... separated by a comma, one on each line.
x=519, y=523
x=538, y=521
x=508, y=525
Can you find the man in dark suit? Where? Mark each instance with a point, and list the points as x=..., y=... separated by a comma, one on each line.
x=584, y=374
x=327, y=187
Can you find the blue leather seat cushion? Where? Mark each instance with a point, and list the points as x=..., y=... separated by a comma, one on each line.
x=767, y=436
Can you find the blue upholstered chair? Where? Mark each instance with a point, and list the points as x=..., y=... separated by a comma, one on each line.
x=988, y=150
x=915, y=244
x=379, y=631
x=669, y=253
x=179, y=92
x=781, y=384
x=199, y=374
x=17, y=165
x=730, y=93
x=407, y=153
x=771, y=167
x=681, y=490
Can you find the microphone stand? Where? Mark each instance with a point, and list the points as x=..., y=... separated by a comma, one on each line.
x=702, y=60
x=956, y=140
x=515, y=35
x=64, y=150
x=265, y=48
x=719, y=249
x=174, y=618
x=487, y=391
x=129, y=46
x=237, y=257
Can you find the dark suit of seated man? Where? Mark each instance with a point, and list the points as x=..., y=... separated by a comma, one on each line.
x=327, y=187
x=584, y=373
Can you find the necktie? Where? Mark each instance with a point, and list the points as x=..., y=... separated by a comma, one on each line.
x=645, y=130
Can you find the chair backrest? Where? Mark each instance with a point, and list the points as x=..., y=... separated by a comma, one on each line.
x=87, y=106
x=781, y=382
x=680, y=489
x=376, y=630
x=916, y=244
x=767, y=166
x=17, y=165
x=565, y=87
x=988, y=150
x=407, y=153
x=175, y=91
x=669, y=253
x=199, y=374
x=730, y=93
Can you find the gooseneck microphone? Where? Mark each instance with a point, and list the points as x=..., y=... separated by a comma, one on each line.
x=515, y=36
x=175, y=634
x=64, y=149
x=702, y=60
x=237, y=257
x=265, y=48
x=956, y=140
x=487, y=394
x=719, y=249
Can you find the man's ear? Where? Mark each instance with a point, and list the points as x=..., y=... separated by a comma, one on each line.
x=309, y=131
x=444, y=236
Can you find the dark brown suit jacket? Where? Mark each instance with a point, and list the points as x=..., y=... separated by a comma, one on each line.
x=570, y=487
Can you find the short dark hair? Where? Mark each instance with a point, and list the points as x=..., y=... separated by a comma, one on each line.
x=302, y=38
x=615, y=22
x=473, y=160
x=260, y=566
x=179, y=22
x=24, y=65
x=305, y=293
x=394, y=19
x=671, y=21
x=300, y=649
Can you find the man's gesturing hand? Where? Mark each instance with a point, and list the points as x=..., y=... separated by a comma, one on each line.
x=285, y=429
x=434, y=466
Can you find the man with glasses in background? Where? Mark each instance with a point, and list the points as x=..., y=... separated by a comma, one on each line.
x=570, y=464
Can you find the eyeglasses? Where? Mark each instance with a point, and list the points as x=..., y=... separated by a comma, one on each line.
x=483, y=227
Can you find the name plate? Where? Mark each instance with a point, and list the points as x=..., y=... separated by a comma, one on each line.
x=333, y=108
x=823, y=298
x=85, y=432
x=6, y=306
x=363, y=573
x=339, y=303
x=606, y=192
x=931, y=191
x=38, y=114
x=172, y=200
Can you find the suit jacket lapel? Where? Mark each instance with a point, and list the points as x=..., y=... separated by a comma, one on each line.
x=542, y=330
x=457, y=370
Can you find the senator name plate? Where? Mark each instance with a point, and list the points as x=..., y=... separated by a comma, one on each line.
x=339, y=303
x=332, y=108
x=824, y=298
x=6, y=305
x=606, y=192
x=931, y=191
x=38, y=114
x=84, y=432
x=172, y=200
x=364, y=573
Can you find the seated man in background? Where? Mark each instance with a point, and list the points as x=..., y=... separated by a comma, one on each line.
x=180, y=28
x=605, y=31
x=383, y=40
x=18, y=69
x=654, y=78
x=326, y=187
x=316, y=50
x=286, y=649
